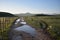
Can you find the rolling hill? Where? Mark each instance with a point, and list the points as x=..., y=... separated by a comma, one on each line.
x=6, y=14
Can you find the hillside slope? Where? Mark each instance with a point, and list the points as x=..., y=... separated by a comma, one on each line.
x=6, y=14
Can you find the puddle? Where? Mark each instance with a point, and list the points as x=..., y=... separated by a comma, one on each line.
x=15, y=34
x=27, y=29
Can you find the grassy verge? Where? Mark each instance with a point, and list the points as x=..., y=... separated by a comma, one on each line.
x=53, y=23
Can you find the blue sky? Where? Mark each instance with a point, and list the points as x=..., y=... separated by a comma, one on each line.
x=32, y=6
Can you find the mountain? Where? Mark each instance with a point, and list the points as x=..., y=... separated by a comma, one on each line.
x=25, y=14
x=6, y=14
x=30, y=14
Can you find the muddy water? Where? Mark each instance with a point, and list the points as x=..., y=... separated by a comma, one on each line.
x=26, y=28
x=16, y=31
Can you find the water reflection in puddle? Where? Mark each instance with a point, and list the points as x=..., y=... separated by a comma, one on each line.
x=27, y=29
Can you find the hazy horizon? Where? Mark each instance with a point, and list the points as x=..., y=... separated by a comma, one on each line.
x=32, y=6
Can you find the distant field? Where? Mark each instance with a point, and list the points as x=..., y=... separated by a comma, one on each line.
x=50, y=20
x=53, y=23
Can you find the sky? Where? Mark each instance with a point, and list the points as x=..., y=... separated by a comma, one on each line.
x=32, y=6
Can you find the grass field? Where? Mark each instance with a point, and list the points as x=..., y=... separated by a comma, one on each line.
x=53, y=23
x=5, y=24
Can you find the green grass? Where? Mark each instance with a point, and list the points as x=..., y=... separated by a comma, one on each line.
x=5, y=24
x=53, y=23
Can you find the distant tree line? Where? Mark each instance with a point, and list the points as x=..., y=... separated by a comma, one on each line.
x=43, y=15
